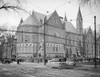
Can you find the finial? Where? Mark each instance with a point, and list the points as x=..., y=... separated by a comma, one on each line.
x=65, y=19
x=21, y=20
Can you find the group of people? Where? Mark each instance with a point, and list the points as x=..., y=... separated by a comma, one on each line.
x=19, y=60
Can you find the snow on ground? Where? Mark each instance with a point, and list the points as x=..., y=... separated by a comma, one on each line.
x=28, y=69
x=30, y=64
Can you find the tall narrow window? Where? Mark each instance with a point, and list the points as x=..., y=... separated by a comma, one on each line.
x=54, y=48
x=22, y=36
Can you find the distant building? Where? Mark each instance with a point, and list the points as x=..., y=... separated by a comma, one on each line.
x=98, y=47
x=88, y=42
x=9, y=47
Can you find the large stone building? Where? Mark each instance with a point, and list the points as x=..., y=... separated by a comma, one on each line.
x=30, y=35
x=61, y=37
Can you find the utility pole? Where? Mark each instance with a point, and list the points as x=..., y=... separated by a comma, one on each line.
x=95, y=39
x=44, y=42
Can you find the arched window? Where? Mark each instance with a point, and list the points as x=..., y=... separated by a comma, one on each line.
x=56, y=48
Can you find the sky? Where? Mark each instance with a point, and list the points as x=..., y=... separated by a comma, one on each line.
x=11, y=19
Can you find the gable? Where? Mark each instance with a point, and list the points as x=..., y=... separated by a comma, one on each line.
x=54, y=20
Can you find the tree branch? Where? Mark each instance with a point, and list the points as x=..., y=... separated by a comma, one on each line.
x=89, y=2
x=15, y=8
x=7, y=6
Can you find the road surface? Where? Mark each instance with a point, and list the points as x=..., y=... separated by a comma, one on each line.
x=32, y=70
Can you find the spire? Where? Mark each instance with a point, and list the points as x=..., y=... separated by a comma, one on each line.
x=65, y=19
x=79, y=15
x=79, y=22
x=33, y=12
x=21, y=20
x=45, y=19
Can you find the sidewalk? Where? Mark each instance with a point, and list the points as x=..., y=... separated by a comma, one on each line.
x=88, y=67
x=41, y=65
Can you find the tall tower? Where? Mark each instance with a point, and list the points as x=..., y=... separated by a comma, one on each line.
x=79, y=22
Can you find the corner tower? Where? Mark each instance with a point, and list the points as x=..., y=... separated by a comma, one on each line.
x=79, y=22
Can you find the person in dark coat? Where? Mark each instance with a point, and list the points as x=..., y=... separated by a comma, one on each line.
x=46, y=60
x=18, y=61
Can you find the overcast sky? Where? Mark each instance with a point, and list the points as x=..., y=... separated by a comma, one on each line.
x=70, y=7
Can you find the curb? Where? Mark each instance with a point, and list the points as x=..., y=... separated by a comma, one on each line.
x=87, y=68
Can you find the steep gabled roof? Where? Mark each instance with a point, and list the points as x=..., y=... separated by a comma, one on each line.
x=54, y=20
x=69, y=27
x=79, y=15
x=34, y=19
x=39, y=16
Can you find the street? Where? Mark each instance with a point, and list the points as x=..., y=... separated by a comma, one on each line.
x=34, y=70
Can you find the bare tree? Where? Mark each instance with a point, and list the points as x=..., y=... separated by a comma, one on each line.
x=89, y=2
x=12, y=5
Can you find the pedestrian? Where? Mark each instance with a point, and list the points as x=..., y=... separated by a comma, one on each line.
x=46, y=60
x=64, y=59
x=18, y=61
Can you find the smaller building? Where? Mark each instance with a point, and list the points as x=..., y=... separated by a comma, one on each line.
x=98, y=47
x=9, y=47
x=1, y=46
x=88, y=44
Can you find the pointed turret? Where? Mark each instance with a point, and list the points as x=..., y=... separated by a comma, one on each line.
x=89, y=30
x=45, y=19
x=65, y=18
x=21, y=20
x=33, y=12
x=79, y=22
